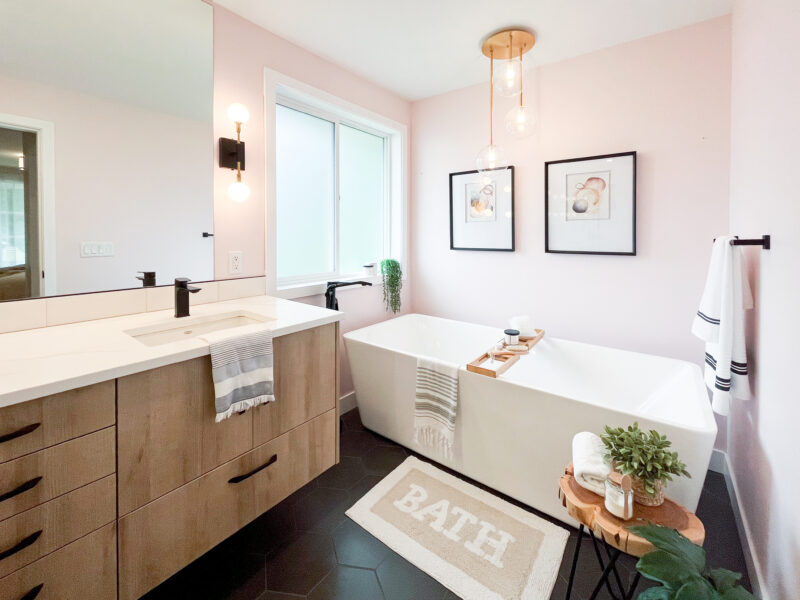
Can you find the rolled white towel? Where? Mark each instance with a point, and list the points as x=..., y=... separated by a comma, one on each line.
x=590, y=468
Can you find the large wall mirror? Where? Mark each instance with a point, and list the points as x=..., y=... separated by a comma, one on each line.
x=106, y=152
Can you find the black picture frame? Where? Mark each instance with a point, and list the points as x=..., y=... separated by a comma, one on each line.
x=547, y=164
x=513, y=214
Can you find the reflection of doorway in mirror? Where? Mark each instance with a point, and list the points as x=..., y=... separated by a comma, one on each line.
x=20, y=266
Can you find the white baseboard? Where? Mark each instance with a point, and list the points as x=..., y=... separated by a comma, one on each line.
x=347, y=402
x=720, y=463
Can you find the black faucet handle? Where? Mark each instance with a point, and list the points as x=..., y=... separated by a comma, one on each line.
x=182, y=282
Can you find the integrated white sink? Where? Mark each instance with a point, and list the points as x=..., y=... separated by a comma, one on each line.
x=176, y=330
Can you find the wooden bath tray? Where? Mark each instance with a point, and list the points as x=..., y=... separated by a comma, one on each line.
x=506, y=357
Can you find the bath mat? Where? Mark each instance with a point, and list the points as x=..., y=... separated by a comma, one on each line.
x=473, y=543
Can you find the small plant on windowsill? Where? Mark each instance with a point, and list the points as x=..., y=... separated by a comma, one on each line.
x=646, y=458
x=680, y=567
x=392, y=276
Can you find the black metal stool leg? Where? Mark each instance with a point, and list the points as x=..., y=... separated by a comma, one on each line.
x=616, y=573
x=574, y=562
x=631, y=591
x=603, y=566
x=604, y=576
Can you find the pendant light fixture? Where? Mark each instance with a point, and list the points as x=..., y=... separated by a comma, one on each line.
x=504, y=45
x=520, y=120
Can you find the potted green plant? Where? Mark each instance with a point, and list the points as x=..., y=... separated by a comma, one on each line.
x=680, y=567
x=392, y=275
x=646, y=458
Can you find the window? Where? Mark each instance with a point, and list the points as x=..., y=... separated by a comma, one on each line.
x=335, y=195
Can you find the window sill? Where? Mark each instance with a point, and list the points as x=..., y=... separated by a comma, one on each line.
x=303, y=290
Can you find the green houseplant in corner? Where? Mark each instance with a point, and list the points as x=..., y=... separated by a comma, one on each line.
x=680, y=567
x=646, y=458
x=392, y=275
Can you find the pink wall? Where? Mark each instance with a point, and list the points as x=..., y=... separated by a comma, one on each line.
x=765, y=128
x=665, y=96
x=241, y=52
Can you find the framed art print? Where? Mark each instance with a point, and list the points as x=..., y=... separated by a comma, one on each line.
x=590, y=205
x=482, y=210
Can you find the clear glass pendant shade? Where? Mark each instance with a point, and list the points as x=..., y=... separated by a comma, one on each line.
x=520, y=122
x=506, y=78
x=491, y=158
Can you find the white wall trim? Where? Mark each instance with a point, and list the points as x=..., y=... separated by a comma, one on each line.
x=46, y=161
x=347, y=402
x=754, y=569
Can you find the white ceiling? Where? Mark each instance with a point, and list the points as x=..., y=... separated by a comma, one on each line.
x=156, y=54
x=420, y=48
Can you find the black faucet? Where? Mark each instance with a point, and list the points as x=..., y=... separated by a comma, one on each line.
x=148, y=278
x=330, y=292
x=182, y=291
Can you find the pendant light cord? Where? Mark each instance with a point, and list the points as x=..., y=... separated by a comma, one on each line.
x=520, y=76
x=491, y=97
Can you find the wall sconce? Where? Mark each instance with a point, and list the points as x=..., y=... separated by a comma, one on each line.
x=231, y=153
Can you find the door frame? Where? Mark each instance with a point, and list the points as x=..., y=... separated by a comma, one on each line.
x=45, y=158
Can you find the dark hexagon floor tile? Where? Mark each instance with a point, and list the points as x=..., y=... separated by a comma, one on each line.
x=343, y=476
x=356, y=442
x=348, y=583
x=268, y=532
x=382, y=460
x=351, y=421
x=360, y=489
x=356, y=547
x=400, y=580
x=322, y=510
x=299, y=566
x=279, y=596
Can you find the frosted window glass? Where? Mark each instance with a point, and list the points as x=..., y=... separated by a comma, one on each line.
x=305, y=182
x=361, y=199
x=12, y=221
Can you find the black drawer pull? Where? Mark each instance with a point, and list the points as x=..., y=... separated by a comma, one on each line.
x=19, y=432
x=28, y=485
x=33, y=593
x=21, y=545
x=240, y=478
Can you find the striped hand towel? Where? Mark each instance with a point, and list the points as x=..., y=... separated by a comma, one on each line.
x=242, y=370
x=436, y=405
x=720, y=323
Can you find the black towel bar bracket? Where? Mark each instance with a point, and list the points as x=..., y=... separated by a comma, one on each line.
x=764, y=241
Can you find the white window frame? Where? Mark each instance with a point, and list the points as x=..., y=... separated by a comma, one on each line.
x=281, y=89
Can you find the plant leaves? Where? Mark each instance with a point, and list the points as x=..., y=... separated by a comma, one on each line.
x=657, y=593
x=737, y=593
x=697, y=589
x=673, y=542
x=666, y=568
x=724, y=579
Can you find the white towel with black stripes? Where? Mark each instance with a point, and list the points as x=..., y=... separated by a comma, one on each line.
x=720, y=323
x=436, y=405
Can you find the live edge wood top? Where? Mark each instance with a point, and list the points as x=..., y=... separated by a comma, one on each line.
x=50, y=360
x=589, y=508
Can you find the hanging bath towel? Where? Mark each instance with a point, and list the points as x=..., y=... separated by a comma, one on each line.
x=241, y=367
x=436, y=405
x=720, y=323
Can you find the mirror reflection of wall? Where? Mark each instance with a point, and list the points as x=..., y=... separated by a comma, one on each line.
x=106, y=144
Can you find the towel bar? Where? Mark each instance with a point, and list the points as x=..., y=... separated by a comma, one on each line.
x=763, y=241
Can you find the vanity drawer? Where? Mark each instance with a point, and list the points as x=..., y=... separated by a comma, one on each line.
x=41, y=530
x=305, y=382
x=167, y=431
x=159, y=539
x=36, y=478
x=86, y=569
x=31, y=426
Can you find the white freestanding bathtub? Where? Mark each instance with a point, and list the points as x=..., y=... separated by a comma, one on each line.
x=514, y=433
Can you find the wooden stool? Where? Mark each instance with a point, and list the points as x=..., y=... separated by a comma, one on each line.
x=589, y=509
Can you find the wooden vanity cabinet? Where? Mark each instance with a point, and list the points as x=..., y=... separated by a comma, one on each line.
x=107, y=490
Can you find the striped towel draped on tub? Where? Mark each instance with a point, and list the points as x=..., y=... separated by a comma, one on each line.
x=436, y=405
x=242, y=370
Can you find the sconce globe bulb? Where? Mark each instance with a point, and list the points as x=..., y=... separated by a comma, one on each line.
x=238, y=191
x=238, y=113
x=491, y=158
x=506, y=78
x=520, y=122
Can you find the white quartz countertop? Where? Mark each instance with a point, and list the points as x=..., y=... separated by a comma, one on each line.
x=40, y=362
